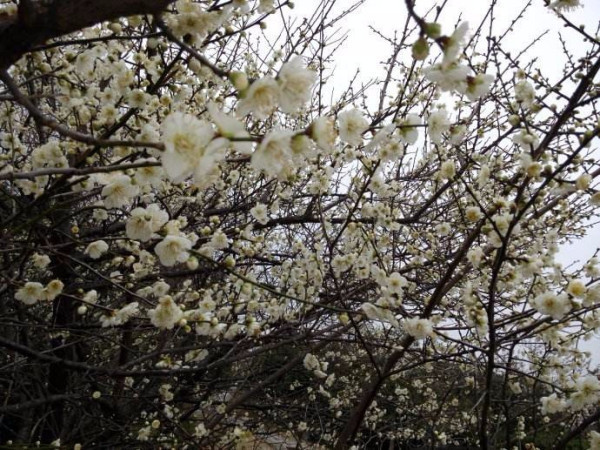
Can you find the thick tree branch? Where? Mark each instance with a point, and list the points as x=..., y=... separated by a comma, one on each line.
x=38, y=21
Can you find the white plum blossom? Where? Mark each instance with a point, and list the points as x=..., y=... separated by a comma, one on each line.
x=53, y=289
x=311, y=362
x=119, y=192
x=48, y=155
x=587, y=392
x=260, y=99
x=565, y=5
x=189, y=147
x=437, y=124
x=576, y=288
x=295, y=83
x=473, y=213
x=144, y=222
x=583, y=182
x=260, y=213
x=551, y=304
x=352, y=125
x=229, y=127
x=594, y=440
x=418, y=328
x=553, y=404
x=40, y=261
x=526, y=140
x=274, y=153
x=96, y=249
x=172, y=250
x=478, y=86
x=453, y=45
x=452, y=77
x=408, y=129
x=266, y=6
x=219, y=240
x=396, y=283
x=448, y=170
x=374, y=312
x=30, y=293
x=167, y=314
x=120, y=316
x=524, y=93
x=322, y=131
x=148, y=177
x=475, y=256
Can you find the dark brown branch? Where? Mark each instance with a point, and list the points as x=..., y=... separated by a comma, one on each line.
x=36, y=22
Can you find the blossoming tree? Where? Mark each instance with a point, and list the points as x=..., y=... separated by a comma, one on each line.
x=199, y=250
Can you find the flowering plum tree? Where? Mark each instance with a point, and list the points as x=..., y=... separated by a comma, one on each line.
x=199, y=250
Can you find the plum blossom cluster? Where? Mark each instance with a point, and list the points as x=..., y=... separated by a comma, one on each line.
x=203, y=247
x=451, y=75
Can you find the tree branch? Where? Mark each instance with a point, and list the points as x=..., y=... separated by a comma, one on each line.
x=36, y=22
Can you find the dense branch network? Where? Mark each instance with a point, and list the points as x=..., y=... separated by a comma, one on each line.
x=197, y=250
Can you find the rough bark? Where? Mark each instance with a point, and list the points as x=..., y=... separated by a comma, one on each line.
x=38, y=21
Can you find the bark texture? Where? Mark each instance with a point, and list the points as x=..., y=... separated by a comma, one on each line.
x=38, y=21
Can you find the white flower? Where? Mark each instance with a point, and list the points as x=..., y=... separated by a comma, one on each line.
x=40, y=261
x=448, y=170
x=323, y=133
x=587, y=393
x=273, y=154
x=166, y=314
x=457, y=134
x=377, y=313
x=552, y=304
x=531, y=167
x=396, y=283
x=478, y=86
x=119, y=192
x=144, y=222
x=260, y=213
x=448, y=78
x=524, y=93
x=144, y=433
x=453, y=45
x=219, y=240
x=295, y=82
x=352, y=125
x=418, y=328
x=266, y=6
x=576, y=288
x=565, y=5
x=48, y=155
x=150, y=176
x=30, y=293
x=475, y=256
x=311, y=362
x=172, y=250
x=96, y=249
x=188, y=147
x=552, y=404
x=594, y=439
x=473, y=213
x=53, y=289
x=120, y=316
x=526, y=140
x=137, y=98
x=437, y=124
x=408, y=129
x=230, y=127
x=260, y=99
x=583, y=182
